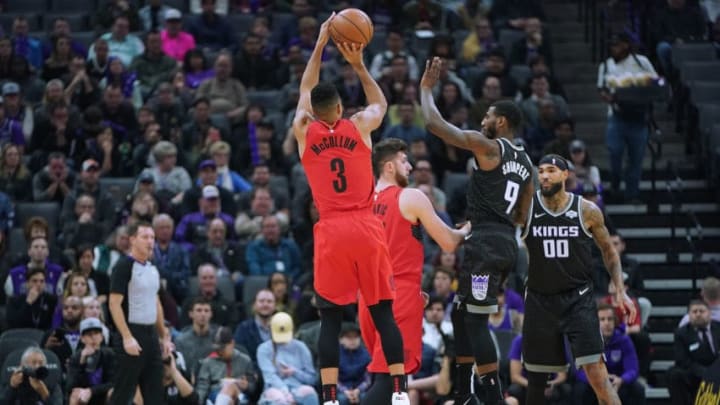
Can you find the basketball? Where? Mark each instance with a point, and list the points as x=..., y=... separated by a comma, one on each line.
x=351, y=25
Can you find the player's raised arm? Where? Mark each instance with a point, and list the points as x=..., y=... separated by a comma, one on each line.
x=310, y=78
x=414, y=202
x=595, y=223
x=471, y=140
x=372, y=116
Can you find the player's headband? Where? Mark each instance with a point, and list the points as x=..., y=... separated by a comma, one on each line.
x=555, y=160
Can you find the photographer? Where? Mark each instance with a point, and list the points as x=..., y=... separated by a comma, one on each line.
x=26, y=382
x=91, y=370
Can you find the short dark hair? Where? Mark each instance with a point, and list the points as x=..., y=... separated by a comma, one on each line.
x=604, y=306
x=199, y=300
x=385, y=151
x=435, y=300
x=511, y=112
x=563, y=121
x=323, y=96
x=690, y=305
x=35, y=222
x=132, y=229
x=33, y=271
x=201, y=99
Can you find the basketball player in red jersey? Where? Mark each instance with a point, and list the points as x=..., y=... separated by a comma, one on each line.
x=350, y=249
x=402, y=211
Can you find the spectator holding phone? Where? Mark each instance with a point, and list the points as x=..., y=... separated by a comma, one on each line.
x=92, y=369
x=226, y=373
x=63, y=340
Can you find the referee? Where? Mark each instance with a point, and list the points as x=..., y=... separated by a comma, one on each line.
x=138, y=316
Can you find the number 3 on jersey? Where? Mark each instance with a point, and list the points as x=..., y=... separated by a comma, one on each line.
x=338, y=166
x=511, y=194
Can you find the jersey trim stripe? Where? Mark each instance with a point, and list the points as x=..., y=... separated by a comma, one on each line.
x=561, y=212
x=580, y=214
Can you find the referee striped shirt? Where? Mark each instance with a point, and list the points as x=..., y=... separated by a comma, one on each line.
x=139, y=284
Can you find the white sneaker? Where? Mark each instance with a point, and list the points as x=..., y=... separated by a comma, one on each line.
x=331, y=403
x=400, y=398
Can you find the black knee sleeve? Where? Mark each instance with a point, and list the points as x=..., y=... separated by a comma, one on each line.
x=537, y=382
x=462, y=343
x=483, y=346
x=390, y=337
x=330, y=321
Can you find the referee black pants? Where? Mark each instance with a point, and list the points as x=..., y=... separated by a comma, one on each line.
x=145, y=370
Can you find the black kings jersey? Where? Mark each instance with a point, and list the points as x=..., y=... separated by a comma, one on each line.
x=493, y=194
x=559, y=247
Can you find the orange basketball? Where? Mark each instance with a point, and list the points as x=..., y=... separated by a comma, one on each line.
x=351, y=25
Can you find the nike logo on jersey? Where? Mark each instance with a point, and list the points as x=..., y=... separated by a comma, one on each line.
x=542, y=214
x=584, y=290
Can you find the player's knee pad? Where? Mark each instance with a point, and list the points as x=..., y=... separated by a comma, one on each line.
x=389, y=333
x=462, y=343
x=331, y=320
x=483, y=346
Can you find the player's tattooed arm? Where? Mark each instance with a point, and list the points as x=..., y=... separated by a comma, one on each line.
x=595, y=223
x=434, y=122
x=522, y=210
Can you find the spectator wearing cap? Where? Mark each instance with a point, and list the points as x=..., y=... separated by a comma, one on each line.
x=496, y=65
x=89, y=183
x=169, y=112
x=153, y=15
x=627, y=123
x=170, y=179
x=92, y=369
x=226, y=373
x=172, y=261
x=191, y=231
x=120, y=42
x=677, y=23
x=175, y=41
x=210, y=29
x=152, y=66
x=227, y=179
x=286, y=366
x=10, y=130
x=272, y=252
x=585, y=171
x=207, y=176
x=24, y=45
x=564, y=130
x=353, y=379
x=16, y=110
x=33, y=308
x=54, y=182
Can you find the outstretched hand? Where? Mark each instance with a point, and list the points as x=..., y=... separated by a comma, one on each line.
x=352, y=52
x=626, y=304
x=432, y=73
x=324, y=34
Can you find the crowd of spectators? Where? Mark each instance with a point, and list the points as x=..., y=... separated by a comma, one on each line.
x=173, y=103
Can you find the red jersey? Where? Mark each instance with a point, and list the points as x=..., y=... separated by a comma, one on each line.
x=338, y=165
x=403, y=237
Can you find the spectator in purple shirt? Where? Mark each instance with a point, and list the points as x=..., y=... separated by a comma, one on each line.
x=38, y=252
x=10, y=130
x=196, y=67
x=192, y=229
x=621, y=360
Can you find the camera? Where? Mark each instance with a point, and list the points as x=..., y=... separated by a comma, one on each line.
x=40, y=373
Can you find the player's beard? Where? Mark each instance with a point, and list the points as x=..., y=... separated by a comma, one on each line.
x=491, y=132
x=554, y=189
x=401, y=179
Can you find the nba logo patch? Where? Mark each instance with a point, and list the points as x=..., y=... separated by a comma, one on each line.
x=479, y=284
x=571, y=214
x=616, y=356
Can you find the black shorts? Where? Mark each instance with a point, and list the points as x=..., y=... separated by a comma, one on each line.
x=551, y=318
x=490, y=255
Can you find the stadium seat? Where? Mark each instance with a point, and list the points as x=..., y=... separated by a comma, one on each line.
x=6, y=21
x=85, y=37
x=9, y=345
x=48, y=210
x=53, y=365
x=225, y=285
x=507, y=38
x=472, y=74
x=241, y=23
x=77, y=21
x=706, y=71
x=702, y=92
x=280, y=20
x=700, y=52
x=181, y=5
x=267, y=98
x=251, y=286
x=16, y=241
x=22, y=333
x=520, y=73
x=73, y=5
x=17, y=6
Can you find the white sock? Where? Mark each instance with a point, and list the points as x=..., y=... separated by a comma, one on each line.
x=223, y=399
